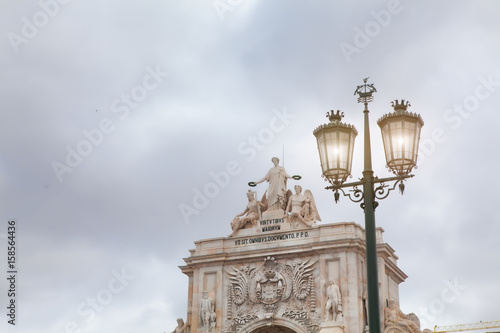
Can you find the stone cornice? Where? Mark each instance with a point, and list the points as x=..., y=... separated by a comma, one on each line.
x=345, y=236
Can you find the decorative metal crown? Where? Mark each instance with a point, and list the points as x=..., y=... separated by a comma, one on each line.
x=403, y=106
x=400, y=110
x=335, y=117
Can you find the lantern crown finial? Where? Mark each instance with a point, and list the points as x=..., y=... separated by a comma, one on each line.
x=335, y=117
x=403, y=106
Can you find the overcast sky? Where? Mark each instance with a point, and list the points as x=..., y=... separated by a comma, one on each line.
x=116, y=115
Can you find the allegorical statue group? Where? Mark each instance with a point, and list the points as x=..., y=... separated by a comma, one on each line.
x=296, y=207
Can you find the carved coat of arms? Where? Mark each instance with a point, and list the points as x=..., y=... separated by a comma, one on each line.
x=269, y=290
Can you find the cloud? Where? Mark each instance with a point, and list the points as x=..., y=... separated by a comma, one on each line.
x=119, y=207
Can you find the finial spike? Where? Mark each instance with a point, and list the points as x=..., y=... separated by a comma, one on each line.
x=365, y=92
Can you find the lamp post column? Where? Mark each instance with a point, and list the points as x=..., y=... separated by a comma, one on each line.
x=370, y=232
x=336, y=143
x=336, y=138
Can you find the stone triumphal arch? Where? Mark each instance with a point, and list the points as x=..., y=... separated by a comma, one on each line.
x=282, y=270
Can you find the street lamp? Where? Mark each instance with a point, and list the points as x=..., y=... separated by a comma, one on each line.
x=400, y=135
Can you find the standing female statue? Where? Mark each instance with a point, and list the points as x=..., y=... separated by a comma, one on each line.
x=276, y=177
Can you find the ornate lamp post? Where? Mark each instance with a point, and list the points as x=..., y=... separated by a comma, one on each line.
x=400, y=134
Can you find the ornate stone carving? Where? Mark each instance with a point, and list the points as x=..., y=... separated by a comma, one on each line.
x=272, y=290
x=249, y=216
x=276, y=192
x=181, y=326
x=300, y=210
x=398, y=322
x=207, y=313
x=302, y=207
x=333, y=306
x=277, y=204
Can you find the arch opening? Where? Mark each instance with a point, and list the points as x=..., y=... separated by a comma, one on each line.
x=273, y=329
x=275, y=325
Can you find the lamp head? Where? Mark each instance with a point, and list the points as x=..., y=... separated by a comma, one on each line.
x=401, y=136
x=335, y=145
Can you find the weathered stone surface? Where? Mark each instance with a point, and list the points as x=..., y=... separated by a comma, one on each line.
x=276, y=273
x=331, y=328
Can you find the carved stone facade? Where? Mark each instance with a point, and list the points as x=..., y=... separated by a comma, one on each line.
x=276, y=279
x=269, y=290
